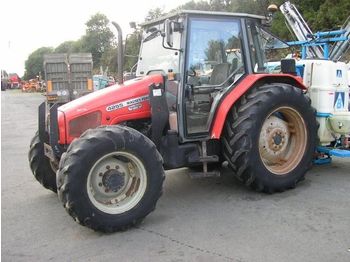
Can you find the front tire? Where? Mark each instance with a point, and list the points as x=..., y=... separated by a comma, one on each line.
x=43, y=169
x=110, y=178
x=270, y=136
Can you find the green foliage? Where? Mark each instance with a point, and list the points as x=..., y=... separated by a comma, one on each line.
x=331, y=15
x=214, y=50
x=194, y=5
x=68, y=47
x=34, y=63
x=98, y=38
x=109, y=59
x=154, y=14
x=132, y=48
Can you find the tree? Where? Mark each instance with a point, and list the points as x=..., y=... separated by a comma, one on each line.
x=98, y=38
x=132, y=47
x=219, y=5
x=34, y=63
x=331, y=15
x=214, y=50
x=154, y=14
x=109, y=59
x=68, y=47
x=194, y=5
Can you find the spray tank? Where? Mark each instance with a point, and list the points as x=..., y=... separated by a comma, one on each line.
x=327, y=82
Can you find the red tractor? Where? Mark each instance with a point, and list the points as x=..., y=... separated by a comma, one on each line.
x=110, y=148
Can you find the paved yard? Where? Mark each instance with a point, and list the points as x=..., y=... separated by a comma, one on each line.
x=195, y=220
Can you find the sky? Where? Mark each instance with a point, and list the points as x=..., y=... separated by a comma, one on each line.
x=29, y=25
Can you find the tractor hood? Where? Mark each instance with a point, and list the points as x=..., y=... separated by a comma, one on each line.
x=109, y=106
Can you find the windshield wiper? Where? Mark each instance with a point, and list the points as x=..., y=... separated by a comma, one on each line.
x=151, y=36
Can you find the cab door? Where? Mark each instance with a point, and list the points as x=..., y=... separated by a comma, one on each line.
x=214, y=62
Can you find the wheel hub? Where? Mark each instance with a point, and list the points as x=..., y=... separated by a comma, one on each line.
x=113, y=180
x=277, y=139
x=274, y=138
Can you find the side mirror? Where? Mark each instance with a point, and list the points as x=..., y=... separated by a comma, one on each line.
x=288, y=66
x=169, y=29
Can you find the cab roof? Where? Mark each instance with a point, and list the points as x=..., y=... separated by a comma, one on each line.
x=202, y=13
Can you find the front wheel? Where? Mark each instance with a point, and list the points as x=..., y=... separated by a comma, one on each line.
x=44, y=170
x=110, y=178
x=270, y=137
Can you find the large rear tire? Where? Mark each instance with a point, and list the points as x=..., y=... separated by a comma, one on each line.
x=270, y=136
x=110, y=178
x=43, y=169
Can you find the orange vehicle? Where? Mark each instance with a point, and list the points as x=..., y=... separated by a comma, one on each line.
x=30, y=86
x=25, y=86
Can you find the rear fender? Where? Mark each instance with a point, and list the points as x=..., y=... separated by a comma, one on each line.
x=240, y=89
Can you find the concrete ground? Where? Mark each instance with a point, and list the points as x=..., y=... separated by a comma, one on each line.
x=195, y=220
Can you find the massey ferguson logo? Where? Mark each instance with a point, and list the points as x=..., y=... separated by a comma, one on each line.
x=126, y=103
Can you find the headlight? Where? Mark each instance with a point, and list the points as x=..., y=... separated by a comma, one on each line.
x=75, y=92
x=82, y=123
x=59, y=93
x=64, y=92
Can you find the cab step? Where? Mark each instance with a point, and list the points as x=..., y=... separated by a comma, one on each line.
x=196, y=175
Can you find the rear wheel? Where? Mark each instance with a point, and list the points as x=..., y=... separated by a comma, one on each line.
x=43, y=169
x=110, y=178
x=270, y=137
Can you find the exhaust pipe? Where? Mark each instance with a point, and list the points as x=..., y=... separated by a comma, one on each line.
x=120, y=53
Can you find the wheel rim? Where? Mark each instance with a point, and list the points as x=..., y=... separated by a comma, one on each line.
x=282, y=140
x=117, y=182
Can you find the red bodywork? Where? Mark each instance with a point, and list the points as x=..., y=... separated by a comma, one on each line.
x=242, y=87
x=130, y=101
x=116, y=104
x=14, y=80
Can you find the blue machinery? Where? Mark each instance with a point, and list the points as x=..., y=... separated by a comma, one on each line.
x=329, y=45
x=323, y=40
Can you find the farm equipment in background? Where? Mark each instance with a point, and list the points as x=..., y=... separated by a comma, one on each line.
x=30, y=86
x=4, y=80
x=14, y=81
x=67, y=76
x=102, y=80
x=327, y=80
x=109, y=149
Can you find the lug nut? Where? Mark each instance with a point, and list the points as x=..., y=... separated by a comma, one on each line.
x=108, y=167
x=99, y=184
x=116, y=167
x=100, y=174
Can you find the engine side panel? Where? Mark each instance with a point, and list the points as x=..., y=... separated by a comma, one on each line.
x=115, y=104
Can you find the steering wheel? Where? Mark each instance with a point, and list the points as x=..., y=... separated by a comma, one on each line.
x=191, y=72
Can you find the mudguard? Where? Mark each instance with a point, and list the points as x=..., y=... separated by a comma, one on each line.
x=240, y=89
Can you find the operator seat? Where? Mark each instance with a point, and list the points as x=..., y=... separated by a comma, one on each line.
x=219, y=74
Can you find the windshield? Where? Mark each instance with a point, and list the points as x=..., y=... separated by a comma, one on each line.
x=154, y=57
x=213, y=42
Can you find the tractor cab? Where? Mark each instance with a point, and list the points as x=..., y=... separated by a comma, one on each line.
x=203, y=55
